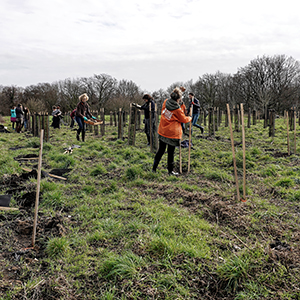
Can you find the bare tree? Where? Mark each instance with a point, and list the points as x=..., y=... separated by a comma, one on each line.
x=159, y=97
x=271, y=81
x=45, y=93
x=69, y=91
x=125, y=92
x=10, y=96
x=100, y=89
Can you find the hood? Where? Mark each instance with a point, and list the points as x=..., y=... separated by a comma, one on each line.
x=172, y=104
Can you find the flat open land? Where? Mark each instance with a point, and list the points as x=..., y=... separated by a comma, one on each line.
x=109, y=228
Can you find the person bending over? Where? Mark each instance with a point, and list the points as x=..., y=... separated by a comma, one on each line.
x=82, y=111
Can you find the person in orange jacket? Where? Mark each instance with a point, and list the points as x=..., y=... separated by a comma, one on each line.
x=170, y=130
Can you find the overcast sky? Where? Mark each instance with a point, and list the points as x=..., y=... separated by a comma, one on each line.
x=153, y=43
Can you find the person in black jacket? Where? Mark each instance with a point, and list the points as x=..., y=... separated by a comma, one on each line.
x=19, y=117
x=196, y=111
x=56, y=114
x=26, y=117
x=146, y=107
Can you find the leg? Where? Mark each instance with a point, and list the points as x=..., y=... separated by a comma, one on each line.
x=153, y=132
x=194, y=121
x=159, y=154
x=18, y=126
x=147, y=130
x=80, y=127
x=148, y=139
x=171, y=150
x=83, y=131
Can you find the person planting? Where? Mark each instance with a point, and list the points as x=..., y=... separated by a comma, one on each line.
x=146, y=107
x=170, y=130
x=82, y=111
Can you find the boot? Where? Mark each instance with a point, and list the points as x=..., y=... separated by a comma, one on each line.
x=78, y=133
x=83, y=135
x=155, y=165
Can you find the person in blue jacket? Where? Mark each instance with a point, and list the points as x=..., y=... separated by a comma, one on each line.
x=196, y=111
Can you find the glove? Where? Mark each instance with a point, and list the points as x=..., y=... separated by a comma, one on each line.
x=193, y=103
x=85, y=118
x=94, y=118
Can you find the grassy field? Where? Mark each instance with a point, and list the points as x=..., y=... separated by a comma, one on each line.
x=115, y=230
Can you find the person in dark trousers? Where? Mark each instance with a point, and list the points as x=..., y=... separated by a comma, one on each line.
x=59, y=114
x=56, y=117
x=146, y=107
x=19, y=118
x=26, y=117
x=170, y=129
x=196, y=111
x=82, y=111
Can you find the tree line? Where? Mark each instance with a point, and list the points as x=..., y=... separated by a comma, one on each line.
x=271, y=82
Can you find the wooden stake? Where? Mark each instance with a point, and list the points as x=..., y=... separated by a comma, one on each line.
x=8, y=208
x=28, y=158
x=295, y=121
x=190, y=139
x=180, y=158
x=288, y=134
x=38, y=188
x=56, y=176
x=150, y=127
x=244, y=154
x=233, y=154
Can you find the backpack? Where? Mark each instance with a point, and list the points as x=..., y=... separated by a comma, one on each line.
x=185, y=144
x=72, y=114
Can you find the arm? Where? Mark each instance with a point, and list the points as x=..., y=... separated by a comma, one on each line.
x=182, y=118
x=196, y=103
x=143, y=107
x=88, y=112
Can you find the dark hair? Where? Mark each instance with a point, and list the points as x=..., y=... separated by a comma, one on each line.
x=147, y=97
x=19, y=105
x=192, y=94
x=176, y=94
